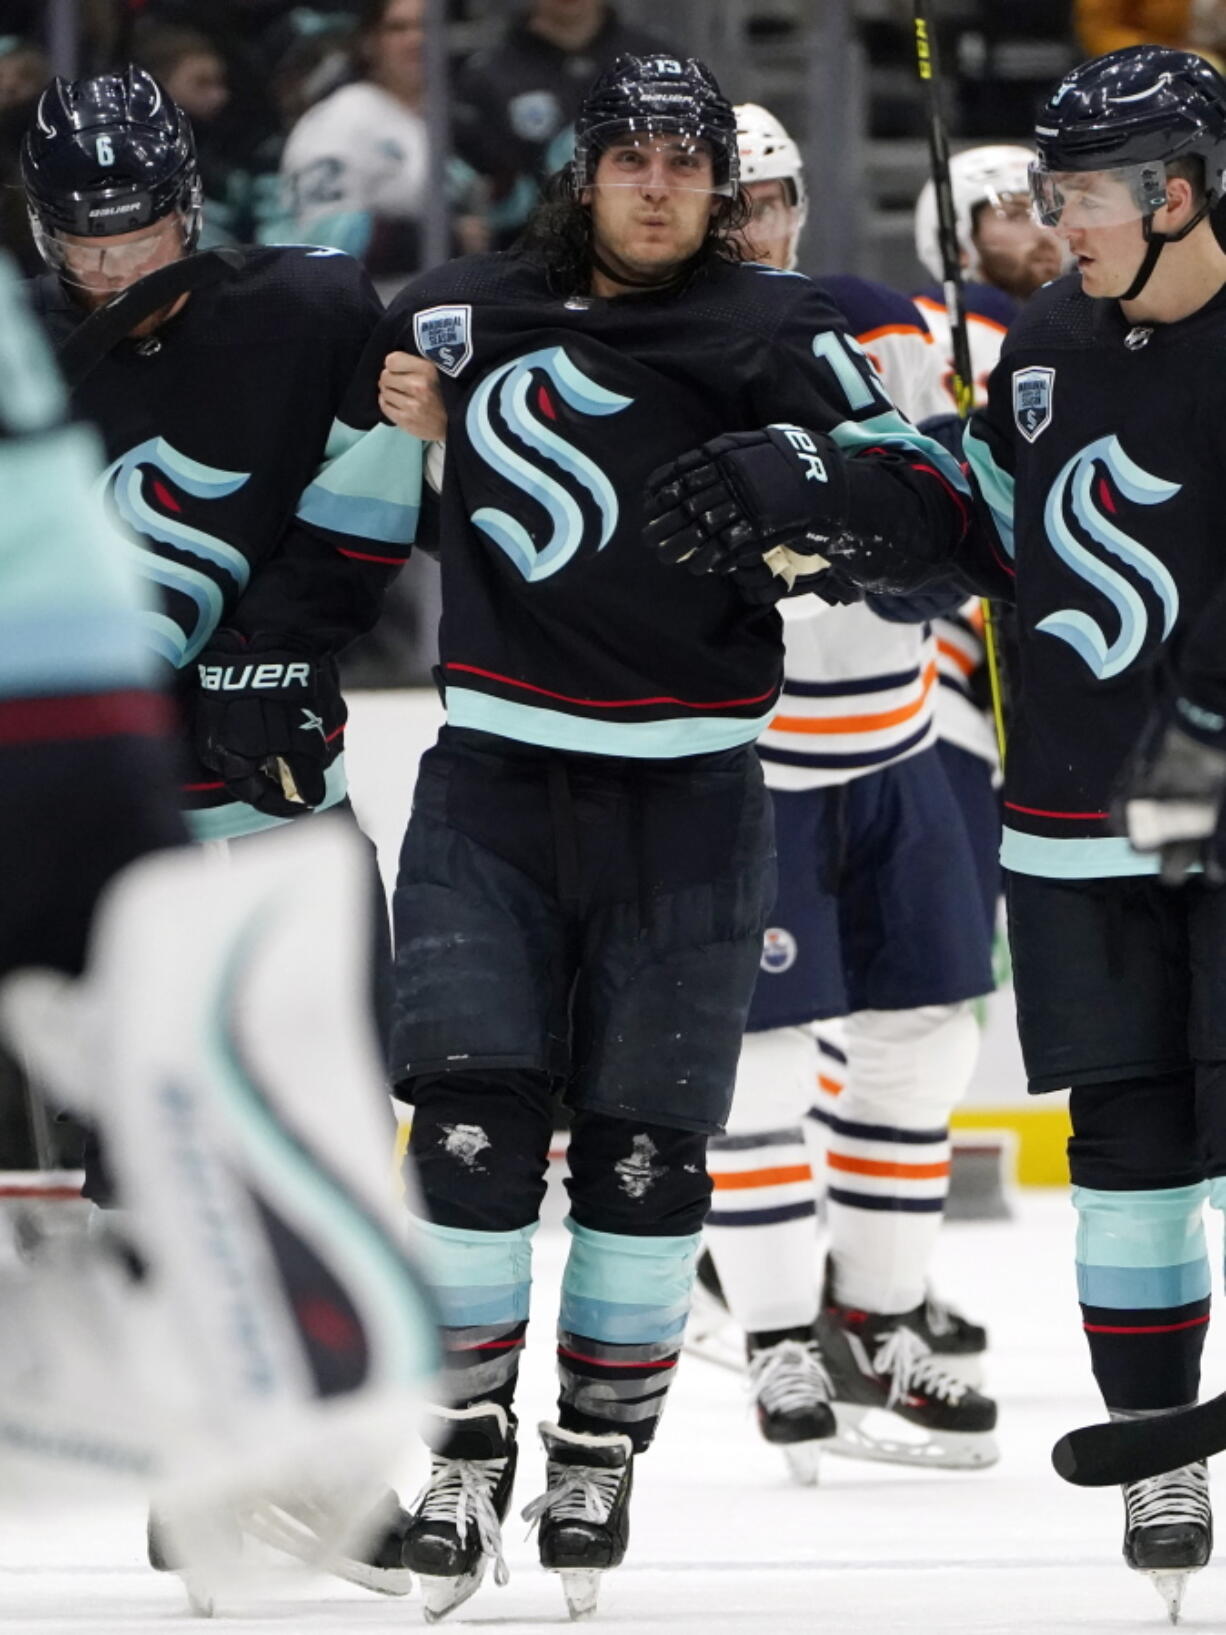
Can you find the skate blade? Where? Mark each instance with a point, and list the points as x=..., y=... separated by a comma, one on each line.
x=283, y=1531
x=581, y=1590
x=1170, y=1586
x=443, y=1595
x=201, y=1594
x=875, y=1433
x=803, y=1459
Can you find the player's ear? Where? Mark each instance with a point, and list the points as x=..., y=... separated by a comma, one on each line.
x=1179, y=194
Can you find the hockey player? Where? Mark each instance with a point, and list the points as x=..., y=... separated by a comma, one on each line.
x=266, y=525
x=585, y=879
x=249, y=1325
x=1097, y=460
x=858, y=930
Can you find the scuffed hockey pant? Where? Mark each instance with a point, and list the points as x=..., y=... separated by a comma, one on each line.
x=887, y=1163
x=1121, y=988
x=638, y=1195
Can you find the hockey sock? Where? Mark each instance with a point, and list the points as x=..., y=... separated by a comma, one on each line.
x=888, y=1152
x=624, y=1305
x=823, y=1105
x=483, y=1283
x=1144, y=1282
x=760, y=1229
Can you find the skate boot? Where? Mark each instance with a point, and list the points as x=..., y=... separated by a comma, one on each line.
x=1168, y=1530
x=791, y=1391
x=584, y=1511
x=455, y=1529
x=959, y=1343
x=894, y=1400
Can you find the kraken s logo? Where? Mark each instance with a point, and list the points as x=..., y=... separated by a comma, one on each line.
x=1082, y=486
x=151, y=510
x=509, y=387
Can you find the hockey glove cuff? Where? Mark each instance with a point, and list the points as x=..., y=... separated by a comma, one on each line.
x=267, y=718
x=1170, y=796
x=728, y=504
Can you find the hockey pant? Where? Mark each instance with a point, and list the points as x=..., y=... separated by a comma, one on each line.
x=638, y=1195
x=884, y=1110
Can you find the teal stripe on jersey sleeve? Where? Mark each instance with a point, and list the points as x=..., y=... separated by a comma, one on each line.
x=994, y=483
x=70, y=606
x=894, y=430
x=369, y=485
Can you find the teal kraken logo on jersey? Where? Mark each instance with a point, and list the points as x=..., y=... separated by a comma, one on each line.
x=527, y=414
x=1082, y=490
x=152, y=510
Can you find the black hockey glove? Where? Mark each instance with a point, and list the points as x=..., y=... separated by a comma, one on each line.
x=266, y=717
x=1170, y=795
x=736, y=500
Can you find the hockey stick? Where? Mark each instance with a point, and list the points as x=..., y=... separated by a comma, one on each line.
x=1129, y=1450
x=955, y=306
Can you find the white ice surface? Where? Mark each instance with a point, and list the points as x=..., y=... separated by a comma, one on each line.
x=721, y=1542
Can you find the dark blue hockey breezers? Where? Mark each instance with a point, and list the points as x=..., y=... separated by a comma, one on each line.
x=596, y=918
x=879, y=906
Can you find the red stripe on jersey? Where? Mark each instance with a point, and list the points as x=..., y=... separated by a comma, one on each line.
x=80, y=716
x=610, y=703
x=364, y=556
x=1037, y=811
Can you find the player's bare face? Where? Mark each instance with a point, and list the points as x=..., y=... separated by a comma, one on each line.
x=1015, y=253
x=771, y=233
x=651, y=203
x=1101, y=225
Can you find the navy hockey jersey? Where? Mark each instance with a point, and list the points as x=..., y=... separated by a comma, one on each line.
x=1099, y=457
x=231, y=484
x=559, y=627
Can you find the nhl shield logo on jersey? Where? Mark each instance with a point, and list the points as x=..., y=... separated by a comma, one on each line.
x=1032, y=395
x=778, y=950
x=444, y=337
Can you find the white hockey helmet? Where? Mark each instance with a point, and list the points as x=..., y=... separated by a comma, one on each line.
x=978, y=176
x=768, y=154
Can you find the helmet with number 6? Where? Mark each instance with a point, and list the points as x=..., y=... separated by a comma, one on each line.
x=986, y=175
x=106, y=156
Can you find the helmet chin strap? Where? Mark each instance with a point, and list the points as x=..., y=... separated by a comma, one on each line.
x=675, y=275
x=1155, y=243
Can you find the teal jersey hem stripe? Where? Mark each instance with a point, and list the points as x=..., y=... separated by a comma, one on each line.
x=235, y=819
x=1080, y=857
x=645, y=740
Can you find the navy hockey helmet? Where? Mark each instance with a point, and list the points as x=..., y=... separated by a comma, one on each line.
x=108, y=155
x=657, y=96
x=1133, y=111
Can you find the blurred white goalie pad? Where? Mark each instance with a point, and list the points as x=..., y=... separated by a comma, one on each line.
x=268, y=1330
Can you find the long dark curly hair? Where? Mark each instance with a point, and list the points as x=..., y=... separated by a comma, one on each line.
x=558, y=236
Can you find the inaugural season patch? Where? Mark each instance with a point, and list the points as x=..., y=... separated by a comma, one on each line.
x=1032, y=395
x=444, y=336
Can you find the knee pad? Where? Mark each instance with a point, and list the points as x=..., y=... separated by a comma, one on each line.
x=910, y=1069
x=1136, y=1134
x=775, y=1079
x=480, y=1144
x=636, y=1179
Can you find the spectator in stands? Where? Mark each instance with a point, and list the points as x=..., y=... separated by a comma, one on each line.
x=515, y=103
x=24, y=70
x=1189, y=25
x=356, y=166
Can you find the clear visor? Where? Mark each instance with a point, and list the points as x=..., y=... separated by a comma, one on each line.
x=1075, y=199
x=675, y=161
x=100, y=263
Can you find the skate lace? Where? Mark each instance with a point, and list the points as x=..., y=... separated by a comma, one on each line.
x=789, y=1376
x=1175, y=1496
x=576, y=1493
x=912, y=1367
x=459, y=1492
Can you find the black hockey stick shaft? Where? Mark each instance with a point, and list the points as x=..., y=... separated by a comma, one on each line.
x=1129, y=1450
x=926, y=66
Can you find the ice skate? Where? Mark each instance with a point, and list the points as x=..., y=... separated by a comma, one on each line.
x=791, y=1391
x=584, y=1511
x=959, y=1343
x=1168, y=1530
x=711, y=1332
x=367, y=1553
x=894, y=1400
x=455, y=1529
x=204, y=1549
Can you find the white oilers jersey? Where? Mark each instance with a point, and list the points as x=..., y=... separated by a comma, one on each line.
x=859, y=691
x=358, y=154
x=989, y=312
